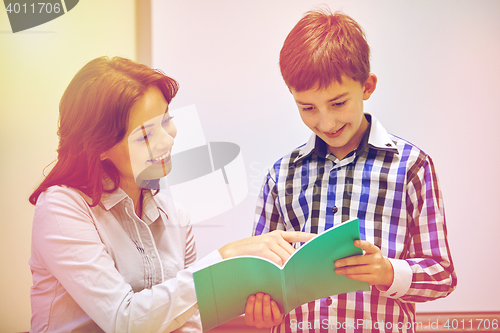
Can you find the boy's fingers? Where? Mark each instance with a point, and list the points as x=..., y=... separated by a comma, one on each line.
x=363, y=259
x=267, y=312
x=261, y=311
x=367, y=246
x=360, y=277
x=353, y=270
x=257, y=312
x=277, y=316
x=351, y=261
x=249, y=319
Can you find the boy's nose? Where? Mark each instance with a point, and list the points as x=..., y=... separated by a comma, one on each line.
x=326, y=122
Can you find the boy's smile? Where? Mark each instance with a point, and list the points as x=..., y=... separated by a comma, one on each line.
x=335, y=134
x=335, y=113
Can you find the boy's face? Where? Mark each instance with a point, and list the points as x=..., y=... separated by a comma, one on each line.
x=335, y=114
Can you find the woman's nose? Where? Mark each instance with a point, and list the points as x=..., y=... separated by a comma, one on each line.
x=166, y=138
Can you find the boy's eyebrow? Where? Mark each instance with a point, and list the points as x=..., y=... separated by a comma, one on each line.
x=331, y=100
x=339, y=97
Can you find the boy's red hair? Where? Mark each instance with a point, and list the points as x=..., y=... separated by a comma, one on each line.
x=322, y=48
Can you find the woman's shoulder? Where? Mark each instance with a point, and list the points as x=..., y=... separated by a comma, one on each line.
x=61, y=199
x=57, y=193
x=61, y=209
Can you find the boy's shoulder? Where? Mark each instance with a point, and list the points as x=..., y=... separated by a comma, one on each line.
x=409, y=155
x=405, y=145
x=383, y=141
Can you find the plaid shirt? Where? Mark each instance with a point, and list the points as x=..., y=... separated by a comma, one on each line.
x=391, y=186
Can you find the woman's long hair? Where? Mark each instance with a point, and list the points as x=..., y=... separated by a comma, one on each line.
x=93, y=117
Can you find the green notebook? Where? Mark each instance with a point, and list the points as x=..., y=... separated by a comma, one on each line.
x=222, y=289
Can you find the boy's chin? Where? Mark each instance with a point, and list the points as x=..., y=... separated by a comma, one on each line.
x=339, y=147
x=335, y=143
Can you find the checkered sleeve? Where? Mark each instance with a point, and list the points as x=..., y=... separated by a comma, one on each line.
x=267, y=217
x=429, y=254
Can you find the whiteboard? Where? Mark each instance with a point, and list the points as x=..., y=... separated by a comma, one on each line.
x=437, y=67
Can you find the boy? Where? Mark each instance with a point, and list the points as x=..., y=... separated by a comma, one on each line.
x=351, y=167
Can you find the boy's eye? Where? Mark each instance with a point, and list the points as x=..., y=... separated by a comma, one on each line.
x=339, y=104
x=307, y=108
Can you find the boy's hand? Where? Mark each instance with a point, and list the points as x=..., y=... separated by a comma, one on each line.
x=370, y=267
x=274, y=246
x=262, y=312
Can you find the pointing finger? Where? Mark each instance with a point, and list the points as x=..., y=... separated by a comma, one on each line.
x=297, y=236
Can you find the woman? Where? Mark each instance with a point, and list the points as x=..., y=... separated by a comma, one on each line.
x=109, y=253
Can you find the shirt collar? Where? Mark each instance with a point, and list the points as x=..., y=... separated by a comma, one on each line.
x=313, y=144
x=376, y=137
x=379, y=137
x=149, y=206
x=109, y=200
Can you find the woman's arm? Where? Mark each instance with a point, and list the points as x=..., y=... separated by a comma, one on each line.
x=67, y=245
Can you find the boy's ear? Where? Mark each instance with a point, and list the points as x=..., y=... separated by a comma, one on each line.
x=369, y=86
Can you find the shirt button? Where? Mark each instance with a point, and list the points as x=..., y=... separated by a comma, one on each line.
x=335, y=209
x=329, y=301
x=388, y=144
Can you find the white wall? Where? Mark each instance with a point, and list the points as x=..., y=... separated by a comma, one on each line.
x=437, y=65
x=36, y=65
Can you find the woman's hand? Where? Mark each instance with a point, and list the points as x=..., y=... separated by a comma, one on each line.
x=262, y=312
x=273, y=246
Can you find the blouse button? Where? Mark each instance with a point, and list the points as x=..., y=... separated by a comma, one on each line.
x=335, y=209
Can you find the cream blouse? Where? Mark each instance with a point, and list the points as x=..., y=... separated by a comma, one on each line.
x=104, y=269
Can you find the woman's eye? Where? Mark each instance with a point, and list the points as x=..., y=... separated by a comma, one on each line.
x=144, y=138
x=166, y=121
x=339, y=104
x=307, y=108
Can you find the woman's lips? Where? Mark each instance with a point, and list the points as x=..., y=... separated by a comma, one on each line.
x=336, y=134
x=164, y=158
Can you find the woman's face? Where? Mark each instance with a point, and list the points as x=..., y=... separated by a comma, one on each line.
x=144, y=153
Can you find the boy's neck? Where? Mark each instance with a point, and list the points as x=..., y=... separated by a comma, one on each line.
x=341, y=152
